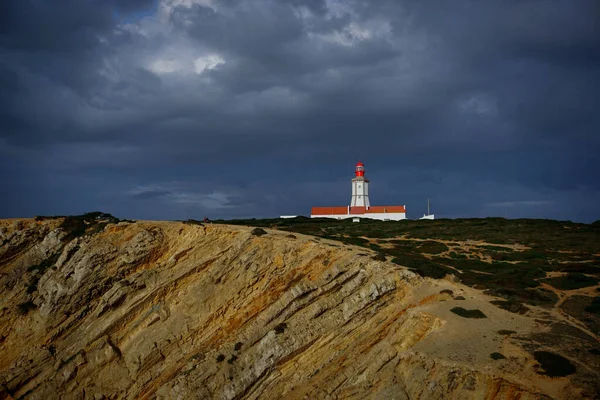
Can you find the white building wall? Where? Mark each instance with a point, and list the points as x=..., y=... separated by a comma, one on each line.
x=360, y=193
x=379, y=216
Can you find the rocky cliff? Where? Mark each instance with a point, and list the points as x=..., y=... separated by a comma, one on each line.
x=173, y=310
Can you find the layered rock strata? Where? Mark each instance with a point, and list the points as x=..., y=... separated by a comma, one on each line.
x=171, y=310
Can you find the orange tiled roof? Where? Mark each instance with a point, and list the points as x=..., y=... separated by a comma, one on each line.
x=357, y=210
x=386, y=209
x=329, y=210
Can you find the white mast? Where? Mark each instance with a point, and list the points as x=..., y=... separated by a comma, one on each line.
x=428, y=215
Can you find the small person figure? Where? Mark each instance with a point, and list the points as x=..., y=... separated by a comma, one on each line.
x=206, y=219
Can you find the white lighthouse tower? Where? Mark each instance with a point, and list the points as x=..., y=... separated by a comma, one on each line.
x=360, y=206
x=360, y=187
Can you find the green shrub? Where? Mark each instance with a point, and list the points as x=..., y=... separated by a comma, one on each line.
x=458, y=256
x=258, y=232
x=511, y=305
x=379, y=257
x=505, y=332
x=594, y=308
x=375, y=246
x=432, y=247
x=24, y=308
x=583, y=268
x=422, y=266
x=404, y=245
x=32, y=287
x=553, y=365
x=280, y=328
x=355, y=241
x=495, y=248
x=536, y=296
x=193, y=222
x=90, y=223
x=572, y=281
x=468, y=313
x=45, y=264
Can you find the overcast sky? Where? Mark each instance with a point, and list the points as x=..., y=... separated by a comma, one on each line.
x=177, y=109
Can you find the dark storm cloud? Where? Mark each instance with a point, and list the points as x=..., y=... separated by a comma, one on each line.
x=29, y=26
x=181, y=108
x=150, y=194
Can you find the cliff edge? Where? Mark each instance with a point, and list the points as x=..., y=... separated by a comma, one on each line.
x=175, y=310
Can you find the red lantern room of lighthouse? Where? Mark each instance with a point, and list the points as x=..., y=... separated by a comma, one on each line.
x=360, y=187
x=360, y=169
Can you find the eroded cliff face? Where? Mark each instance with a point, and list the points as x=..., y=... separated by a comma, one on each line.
x=173, y=310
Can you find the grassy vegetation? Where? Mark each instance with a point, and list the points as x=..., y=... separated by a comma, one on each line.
x=574, y=280
x=432, y=247
x=514, y=273
x=85, y=224
x=547, y=234
x=39, y=270
x=420, y=264
x=75, y=226
x=193, y=222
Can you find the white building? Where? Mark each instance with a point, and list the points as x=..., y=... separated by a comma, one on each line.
x=360, y=207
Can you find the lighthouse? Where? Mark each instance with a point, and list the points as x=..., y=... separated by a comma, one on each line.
x=360, y=187
x=360, y=206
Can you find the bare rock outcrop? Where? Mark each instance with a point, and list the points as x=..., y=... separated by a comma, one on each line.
x=171, y=310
